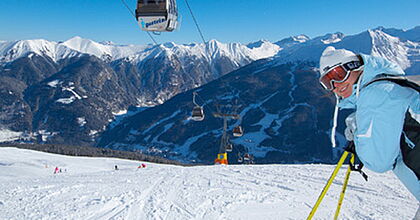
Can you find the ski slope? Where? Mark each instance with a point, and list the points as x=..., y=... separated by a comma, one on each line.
x=91, y=189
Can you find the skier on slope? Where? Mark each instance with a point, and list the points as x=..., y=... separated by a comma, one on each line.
x=376, y=127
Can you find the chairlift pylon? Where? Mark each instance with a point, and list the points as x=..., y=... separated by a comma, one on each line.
x=157, y=15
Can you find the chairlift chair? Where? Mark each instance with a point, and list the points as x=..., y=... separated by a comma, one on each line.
x=237, y=131
x=157, y=15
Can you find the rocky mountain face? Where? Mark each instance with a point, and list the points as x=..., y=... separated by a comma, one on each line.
x=72, y=93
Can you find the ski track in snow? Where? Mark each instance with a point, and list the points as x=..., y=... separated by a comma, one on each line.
x=91, y=189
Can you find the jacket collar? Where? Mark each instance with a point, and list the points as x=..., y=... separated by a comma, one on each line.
x=373, y=66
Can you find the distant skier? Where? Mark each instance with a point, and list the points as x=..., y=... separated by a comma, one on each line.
x=382, y=109
x=116, y=167
x=56, y=170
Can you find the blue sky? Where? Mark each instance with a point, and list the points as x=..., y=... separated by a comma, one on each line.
x=241, y=21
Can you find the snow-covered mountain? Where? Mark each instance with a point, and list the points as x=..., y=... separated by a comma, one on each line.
x=10, y=51
x=280, y=100
x=72, y=89
x=292, y=41
x=90, y=188
x=398, y=48
x=105, y=51
x=411, y=34
x=69, y=92
x=195, y=63
x=264, y=48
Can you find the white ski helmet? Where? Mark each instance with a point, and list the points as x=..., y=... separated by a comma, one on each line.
x=331, y=57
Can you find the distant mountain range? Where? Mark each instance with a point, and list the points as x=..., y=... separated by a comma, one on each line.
x=80, y=92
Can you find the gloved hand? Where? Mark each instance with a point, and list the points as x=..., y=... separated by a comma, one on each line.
x=351, y=126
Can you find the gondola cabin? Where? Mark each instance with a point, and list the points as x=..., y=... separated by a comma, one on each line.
x=157, y=15
x=237, y=131
x=229, y=147
x=240, y=160
x=197, y=113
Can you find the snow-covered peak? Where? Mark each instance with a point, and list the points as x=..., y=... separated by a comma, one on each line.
x=87, y=46
x=107, y=43
x=264, y=49
x=389, y=47
x=373, y=42
x=295, y=47
x=291, y=41
x=237, y=51
x=257, y=44
x=301, y=38
x=411, y=34
x=15, y=49
x=332, y=38
x=213, y=49
x=214, y=45
x=104, y=51
x=169, y=45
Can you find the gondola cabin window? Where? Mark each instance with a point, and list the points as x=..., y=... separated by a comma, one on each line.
x=151, y=8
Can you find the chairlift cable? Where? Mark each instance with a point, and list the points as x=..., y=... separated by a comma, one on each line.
x=195, y=21
x=204, y=101
x=132, y=13
x=151, y=37
x=204, y=41
x=206, y=106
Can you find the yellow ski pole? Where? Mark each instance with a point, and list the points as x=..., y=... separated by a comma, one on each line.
x=346, y=181
x=326, y=187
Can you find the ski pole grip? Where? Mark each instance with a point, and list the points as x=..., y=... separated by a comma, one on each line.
x=350, y=147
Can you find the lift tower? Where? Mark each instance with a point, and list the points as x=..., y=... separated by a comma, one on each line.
x=225, y=146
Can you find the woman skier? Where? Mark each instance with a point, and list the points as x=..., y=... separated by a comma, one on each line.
x=382, y=108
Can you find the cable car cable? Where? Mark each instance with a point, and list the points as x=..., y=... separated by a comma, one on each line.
x=195, y=21
x=132, y=13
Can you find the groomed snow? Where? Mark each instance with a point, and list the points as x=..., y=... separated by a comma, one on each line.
x=90, y=188
x=8, y=135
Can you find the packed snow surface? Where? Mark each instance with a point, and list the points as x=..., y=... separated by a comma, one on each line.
x=8, y=135
x=90, y=188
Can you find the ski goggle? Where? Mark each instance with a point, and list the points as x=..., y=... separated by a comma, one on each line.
x=338, y=73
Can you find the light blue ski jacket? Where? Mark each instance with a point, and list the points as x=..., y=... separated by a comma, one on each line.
x=380, y=113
